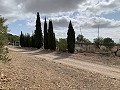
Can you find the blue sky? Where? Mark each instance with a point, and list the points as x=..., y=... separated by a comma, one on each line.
x=114, y=15
x=87, y=14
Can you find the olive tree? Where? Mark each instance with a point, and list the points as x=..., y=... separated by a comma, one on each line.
x=108, y=43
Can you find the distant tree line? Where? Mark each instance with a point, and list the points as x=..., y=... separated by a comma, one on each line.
x=12, y=38
x=37, y=40
x=48, y=40
x=98, y=42
x=107, y=42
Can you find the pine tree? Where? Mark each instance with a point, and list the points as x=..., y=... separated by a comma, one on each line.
x=51, y=37
x=71, y=38
x=38, y=33
x=45, y=35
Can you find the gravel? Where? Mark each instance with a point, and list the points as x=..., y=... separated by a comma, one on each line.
x=27, y=72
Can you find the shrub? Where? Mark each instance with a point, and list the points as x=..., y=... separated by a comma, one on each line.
x=98, y=42
x=3, y=41
x=108, y=43
x=62, y=45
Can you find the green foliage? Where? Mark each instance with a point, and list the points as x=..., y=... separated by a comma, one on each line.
x=3, y=31
x=28, y=40
x=54, y=42
x=3, y=54
x=3, y=41
x=98, y=42
x=38, y=33
x=87, y=41
x=22, y=39
x=33, y=40
x=108, y=43
x=51, y=37
x=71, y=39
x=13, y=38
x=81, y=39
x=36, y=40
x=25, y=40
x=62, y=45
x=3, y=28
x=45, y=35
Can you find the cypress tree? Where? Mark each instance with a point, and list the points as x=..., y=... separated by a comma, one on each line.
x=38, y=33
x=27, y=40
x=45, y=35
x=33, y=40
x=21, y=39
x=54, y=42
x=71, y=38
x=51, y=37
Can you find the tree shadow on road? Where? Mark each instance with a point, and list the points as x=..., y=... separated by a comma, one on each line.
x=34, y=51
x=42, y=51
x=62, y=55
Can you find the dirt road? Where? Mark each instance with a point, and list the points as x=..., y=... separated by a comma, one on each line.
x=40, y=70
x=102, y=69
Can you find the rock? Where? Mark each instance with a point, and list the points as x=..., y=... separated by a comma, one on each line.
x=118, y=53
x=103, y=48
x=4, y=78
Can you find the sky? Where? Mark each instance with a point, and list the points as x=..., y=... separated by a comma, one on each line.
x=84, y=14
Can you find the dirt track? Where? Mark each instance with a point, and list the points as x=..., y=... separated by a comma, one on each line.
x=28, y=70
x=102, y=69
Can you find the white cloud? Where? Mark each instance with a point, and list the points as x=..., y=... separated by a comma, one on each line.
x=51, y=6
x=97, y=7
x=62, y=11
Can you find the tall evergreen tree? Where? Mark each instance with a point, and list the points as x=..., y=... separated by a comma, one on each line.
x=21, y=39
x=27, y=40
x=51, y=37
x=71, y=38
x=45, y=35
x=38, y=33
x=33, y=40
x=54, y=42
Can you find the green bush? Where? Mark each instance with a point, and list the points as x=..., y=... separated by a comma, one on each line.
x=3, y=41
x=62, y=45
x=98, y=42
x=108, y=43
x=3, y=55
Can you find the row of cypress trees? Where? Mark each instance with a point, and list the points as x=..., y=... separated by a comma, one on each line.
x=37, y=39
x=49, y=36
x=26, y=40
